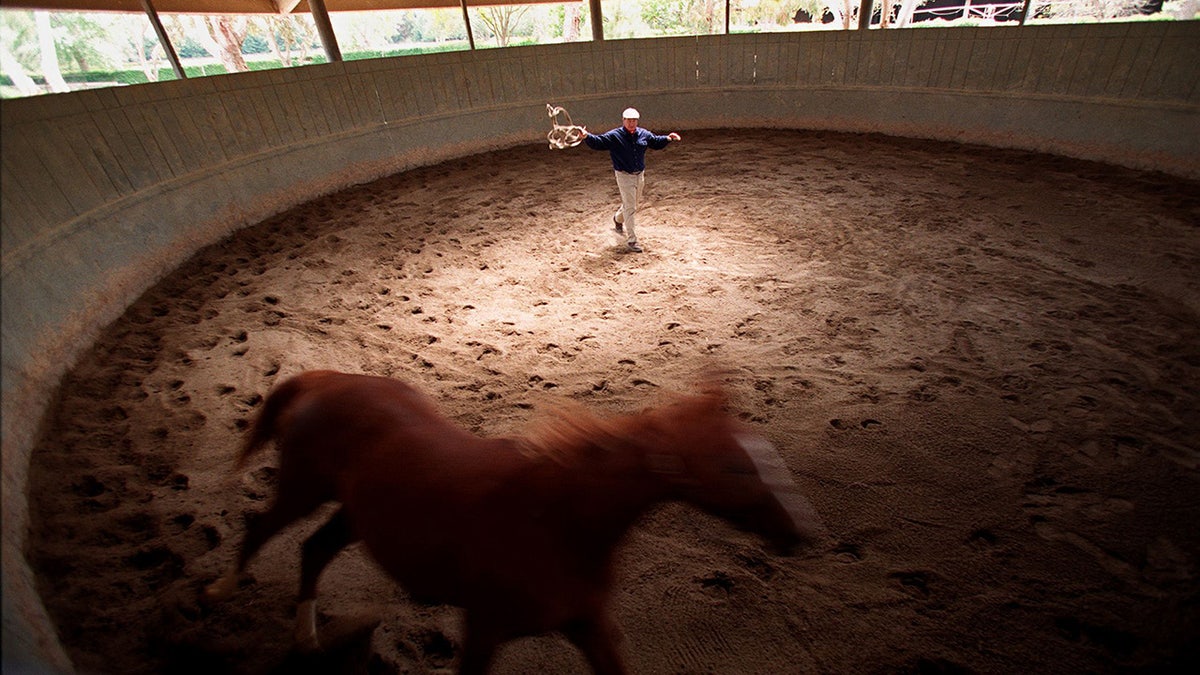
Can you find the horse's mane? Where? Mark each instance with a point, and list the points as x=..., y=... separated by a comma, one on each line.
x=570, y=432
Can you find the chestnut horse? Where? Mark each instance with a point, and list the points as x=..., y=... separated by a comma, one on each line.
x=520, y=532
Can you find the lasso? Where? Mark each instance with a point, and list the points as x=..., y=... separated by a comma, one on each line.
x=563, y=135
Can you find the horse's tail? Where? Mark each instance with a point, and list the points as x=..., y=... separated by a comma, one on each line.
x=265, y=425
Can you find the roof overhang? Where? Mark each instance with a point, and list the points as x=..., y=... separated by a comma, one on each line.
x=249, y=6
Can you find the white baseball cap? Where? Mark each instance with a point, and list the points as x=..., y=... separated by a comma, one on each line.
x=631, y=114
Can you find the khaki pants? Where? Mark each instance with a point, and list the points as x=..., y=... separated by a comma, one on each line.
x=630, y=185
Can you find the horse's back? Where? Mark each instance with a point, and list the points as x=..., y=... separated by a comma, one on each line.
x=384, y=432
x=342, y=392
x=363, y=403
x=328, y=421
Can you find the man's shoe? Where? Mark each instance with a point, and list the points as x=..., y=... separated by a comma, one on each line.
x=618, y=226
x=634, y=248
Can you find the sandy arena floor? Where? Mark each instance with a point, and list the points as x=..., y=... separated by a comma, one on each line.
x=982, y=366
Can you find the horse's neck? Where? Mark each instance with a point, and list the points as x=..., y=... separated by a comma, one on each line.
x=613, y=489
x=595, y=477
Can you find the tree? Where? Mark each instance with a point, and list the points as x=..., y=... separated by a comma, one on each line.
x=227, y=33
x=50, y=69
x=907, y=7
x=886, y=9
x=408, y=28
x=1094, y=9
x=1187, y=9
x=183, y=37
x=82, y=40
x=684, y=17
x=844, y=12
x=769, y=12
x=572, y=22
x=288, y=34
x=147, y=52
x=448, y=25
x=18, y=36
x=358, y=31
x=10, y=65
x=503, y=21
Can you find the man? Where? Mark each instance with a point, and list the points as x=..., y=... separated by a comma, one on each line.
x=627, y=144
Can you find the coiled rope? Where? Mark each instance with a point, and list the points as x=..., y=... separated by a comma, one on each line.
x=563, y=135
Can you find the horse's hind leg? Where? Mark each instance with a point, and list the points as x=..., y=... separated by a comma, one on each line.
x=296, y=497
x=319, y=549
x=597, y=637
x=479, y=646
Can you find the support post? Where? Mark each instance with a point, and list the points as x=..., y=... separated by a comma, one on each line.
x=727, y=17
x=864, y=14
x=597, y=20
x=1025, y=11
x=328, y=40
x=164, y=39
x=467, y=23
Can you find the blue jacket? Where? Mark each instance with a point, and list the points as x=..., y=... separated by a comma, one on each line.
x=628, y=150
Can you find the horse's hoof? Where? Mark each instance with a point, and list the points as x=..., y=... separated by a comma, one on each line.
x=305, y=633
x=307, y=644
x=337, y=634
x=221, y=589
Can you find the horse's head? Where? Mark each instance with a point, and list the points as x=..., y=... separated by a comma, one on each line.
x=729, y=471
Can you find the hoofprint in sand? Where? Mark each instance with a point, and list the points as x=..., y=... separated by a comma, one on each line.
x=980, y=365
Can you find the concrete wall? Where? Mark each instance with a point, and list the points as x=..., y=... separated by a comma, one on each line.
x=105, y=191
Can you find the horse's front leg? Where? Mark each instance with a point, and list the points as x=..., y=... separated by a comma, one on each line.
x=479, y=645
x=298, y=494
x=318, y=551
x=293, y=501
x=598, y=638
